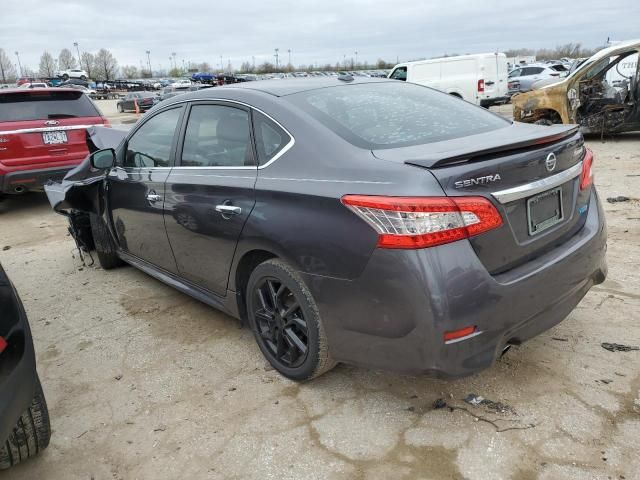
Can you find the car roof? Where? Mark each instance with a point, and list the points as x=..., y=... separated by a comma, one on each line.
x=38, y=89
x=289, y=86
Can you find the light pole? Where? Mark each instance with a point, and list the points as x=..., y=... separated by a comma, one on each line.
x=175, y=65
x=356, y=52
x=75, y=44
x=221, y=65
x=148, y=52
x=19, y=64
x=276, y=55
x=289, y=52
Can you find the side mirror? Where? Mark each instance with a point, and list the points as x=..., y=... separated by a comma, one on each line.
x=103, y=159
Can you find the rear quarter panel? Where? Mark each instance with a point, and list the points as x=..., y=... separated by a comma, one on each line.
x=298, y=215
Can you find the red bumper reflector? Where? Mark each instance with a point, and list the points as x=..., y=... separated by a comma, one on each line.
x=458, y=334
x=3, y=344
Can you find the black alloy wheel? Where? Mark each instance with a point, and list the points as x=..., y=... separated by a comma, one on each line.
x=286, y=322
x=281, y=323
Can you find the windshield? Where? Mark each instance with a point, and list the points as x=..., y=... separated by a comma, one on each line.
x=43, y=105
x=394, y=114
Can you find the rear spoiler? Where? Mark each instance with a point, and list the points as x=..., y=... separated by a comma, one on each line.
x=482, y=146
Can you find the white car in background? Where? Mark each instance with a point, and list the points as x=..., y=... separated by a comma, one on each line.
x=34, y=85
x=183, y=82
x=72, y=73
x=479, y=79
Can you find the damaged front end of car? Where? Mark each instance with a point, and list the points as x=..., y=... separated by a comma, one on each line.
x=80, y=192
x=602, y=95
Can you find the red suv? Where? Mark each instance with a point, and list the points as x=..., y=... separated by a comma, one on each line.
x=42, y=135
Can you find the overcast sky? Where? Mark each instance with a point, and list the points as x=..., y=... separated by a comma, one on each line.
x=321, y=31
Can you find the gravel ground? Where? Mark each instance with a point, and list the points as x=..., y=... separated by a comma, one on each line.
x=146, y=383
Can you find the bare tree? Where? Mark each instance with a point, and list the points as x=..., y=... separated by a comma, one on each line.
x=47, y=65
x=7, y=69
x=66, y=60
x=106, y=65
x=130, y=71
x=87, y=63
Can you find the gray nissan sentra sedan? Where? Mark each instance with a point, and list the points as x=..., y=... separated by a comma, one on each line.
x=363, y=221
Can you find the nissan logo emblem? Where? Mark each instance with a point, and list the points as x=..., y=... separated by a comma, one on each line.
x=550, y=162
x=51, y=122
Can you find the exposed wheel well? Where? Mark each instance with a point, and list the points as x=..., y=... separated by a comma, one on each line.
x=247, y=264
x=455, y=94
x=546, y=114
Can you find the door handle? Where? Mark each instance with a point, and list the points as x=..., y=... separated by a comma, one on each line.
x=152, y=197
x=228, y=210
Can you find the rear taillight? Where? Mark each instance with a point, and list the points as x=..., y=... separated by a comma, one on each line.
x=419, y=222
x=105, y=122
x=586, y=177
x=3, y=344
x=481, y=86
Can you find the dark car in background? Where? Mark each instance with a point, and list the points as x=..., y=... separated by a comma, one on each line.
x=42, y=135
x=145, y=101
x=363, y=221
x=24, y=419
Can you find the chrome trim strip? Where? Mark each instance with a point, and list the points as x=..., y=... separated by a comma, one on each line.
x=529, y=189
x=49, y=129
x=286, y=148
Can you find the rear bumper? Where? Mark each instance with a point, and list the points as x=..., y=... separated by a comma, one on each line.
x=18, y=375
x=395, y=314
x=31, y=179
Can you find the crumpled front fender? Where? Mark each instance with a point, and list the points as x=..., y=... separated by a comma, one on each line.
x=81, y=187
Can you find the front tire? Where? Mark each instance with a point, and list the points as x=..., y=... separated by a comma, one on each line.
x=105, y=246
x=31, y=433
x=120, y=108
x=82, y=77
x=286, y=322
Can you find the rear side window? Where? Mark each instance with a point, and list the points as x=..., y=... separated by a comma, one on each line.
x=151, y=145
x=217, y=136
x=390, y=114
x=270, y=138
x=45, y=105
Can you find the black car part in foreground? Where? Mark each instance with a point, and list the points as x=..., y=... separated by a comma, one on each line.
x=24, y=418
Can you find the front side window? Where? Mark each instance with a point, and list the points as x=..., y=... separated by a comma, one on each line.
x=151, y=145
x=270, y=138
x=399, y=73
x=217, y=136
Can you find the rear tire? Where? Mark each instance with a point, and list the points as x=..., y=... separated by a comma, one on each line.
x=544, y=121
x=105, y=246
x=82, y=77
x=31, y=433
x=120, y=109
x=286, y=322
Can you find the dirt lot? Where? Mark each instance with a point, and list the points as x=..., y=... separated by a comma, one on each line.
x=146, y=383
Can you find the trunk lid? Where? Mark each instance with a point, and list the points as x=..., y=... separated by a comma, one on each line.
x=43, y=129
x=509, y=167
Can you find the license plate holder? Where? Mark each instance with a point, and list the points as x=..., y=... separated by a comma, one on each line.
x=55, y=137
x=544, y=211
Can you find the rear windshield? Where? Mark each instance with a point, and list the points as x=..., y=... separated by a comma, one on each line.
x=44, y=105
x=394, y=114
